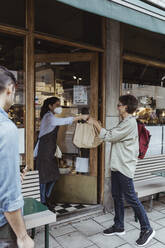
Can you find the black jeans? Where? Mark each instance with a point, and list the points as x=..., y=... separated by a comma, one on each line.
x=7, y=237
x=123, y=187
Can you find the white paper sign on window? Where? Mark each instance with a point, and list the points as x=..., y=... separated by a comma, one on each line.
x=80, y=95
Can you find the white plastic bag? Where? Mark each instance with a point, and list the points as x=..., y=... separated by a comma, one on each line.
x=58, y=153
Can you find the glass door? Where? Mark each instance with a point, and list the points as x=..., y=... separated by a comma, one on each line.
x=73, y=78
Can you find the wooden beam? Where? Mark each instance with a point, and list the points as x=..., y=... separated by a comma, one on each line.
x=67, y=43
x=12, y=30
x=63, y=57
x=29, y=76
x=142, y=60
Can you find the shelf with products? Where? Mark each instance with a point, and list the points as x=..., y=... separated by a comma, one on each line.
x=151, y=104
x=45, y=92
x=151, y=117
x=74, y=164
x=16, y=114
x=150, y=111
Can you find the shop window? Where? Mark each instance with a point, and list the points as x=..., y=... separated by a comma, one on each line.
x=13, y=13
x=148, y=86
x=61, y=20
x=11, y=54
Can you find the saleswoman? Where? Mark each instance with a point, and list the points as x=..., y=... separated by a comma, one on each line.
x=46, y=162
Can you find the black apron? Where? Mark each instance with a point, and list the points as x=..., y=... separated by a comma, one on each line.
x=46, y=162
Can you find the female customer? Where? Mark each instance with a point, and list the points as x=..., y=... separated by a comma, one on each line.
x=123, y=160
x=46, y=162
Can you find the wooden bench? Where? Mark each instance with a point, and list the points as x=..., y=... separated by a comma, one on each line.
x=146, y=183
x=35, y=213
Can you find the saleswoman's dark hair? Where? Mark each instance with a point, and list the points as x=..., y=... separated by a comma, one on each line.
x=45, y=106
x=6, y=78
x=130, y=101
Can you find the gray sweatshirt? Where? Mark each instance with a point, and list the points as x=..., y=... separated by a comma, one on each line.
x=124, y=146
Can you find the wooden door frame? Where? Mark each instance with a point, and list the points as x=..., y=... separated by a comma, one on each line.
x=80, y=57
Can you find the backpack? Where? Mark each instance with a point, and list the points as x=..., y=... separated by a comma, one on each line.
x=144, y=139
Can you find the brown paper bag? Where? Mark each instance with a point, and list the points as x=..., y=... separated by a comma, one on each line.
x=86, y=136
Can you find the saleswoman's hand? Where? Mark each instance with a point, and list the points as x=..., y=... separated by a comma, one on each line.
x=81, y=117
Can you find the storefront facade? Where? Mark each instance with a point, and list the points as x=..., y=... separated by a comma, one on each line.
x=63, y=60
x=58, y=50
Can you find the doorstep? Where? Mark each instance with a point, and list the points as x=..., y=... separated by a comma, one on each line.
x=79, y=214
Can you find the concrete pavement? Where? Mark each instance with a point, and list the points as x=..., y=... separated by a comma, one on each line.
x=86, y=232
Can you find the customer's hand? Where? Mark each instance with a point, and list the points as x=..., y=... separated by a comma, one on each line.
x=92, y=121
x=26, y=242
x=96, y=123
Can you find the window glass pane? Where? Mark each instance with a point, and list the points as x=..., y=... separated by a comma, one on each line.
x=148, y=85
x=11, y=56
x=13, y=13
x=64, y=21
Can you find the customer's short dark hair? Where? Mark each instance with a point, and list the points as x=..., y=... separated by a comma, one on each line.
x=6, y=78
x=130, y=101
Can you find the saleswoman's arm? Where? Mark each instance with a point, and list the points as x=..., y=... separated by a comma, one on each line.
x=58, y=121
